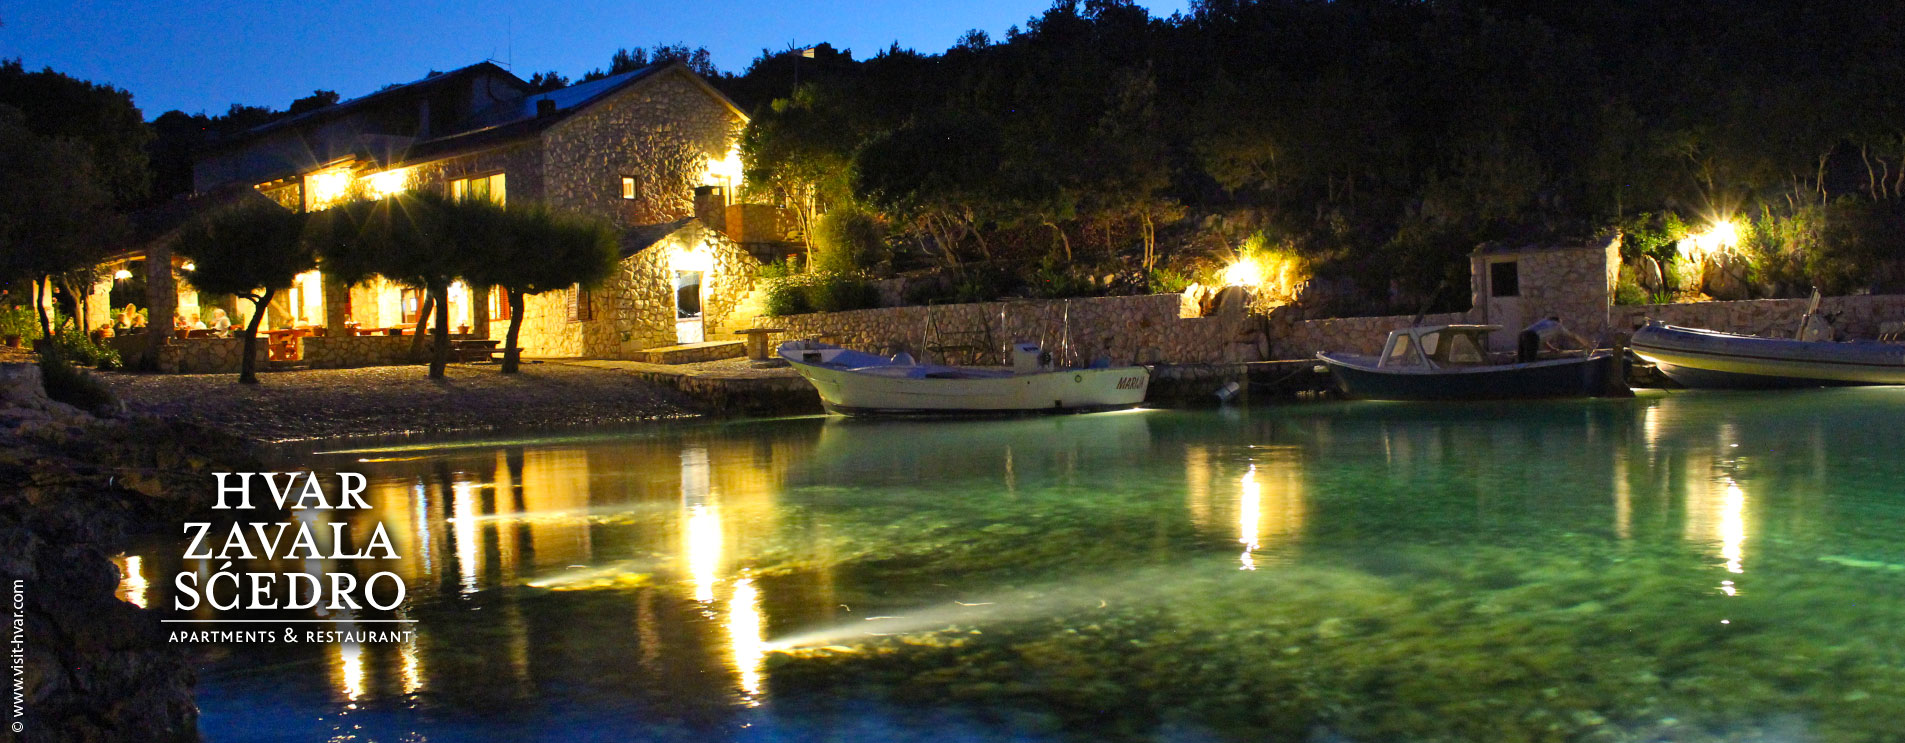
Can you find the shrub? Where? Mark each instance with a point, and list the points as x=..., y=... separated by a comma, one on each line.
x=1054, y=279
x=22, y=321
x=1629, y=291
x=846, y=240
x=71, y=385
x=783, y=268
x=841, y=292
x=1167, y=281
x=785, y=295
x=76, y=347
x=981, y=285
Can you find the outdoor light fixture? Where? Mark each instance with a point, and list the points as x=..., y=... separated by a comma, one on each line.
x=122, y=274
x=690, y=259
x=1722, y=237
x=1246, y=272
x=388, y=183
x=329, y=187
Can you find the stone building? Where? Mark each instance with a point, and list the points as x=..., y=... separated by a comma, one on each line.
x=648, y=150
x=1515, y=286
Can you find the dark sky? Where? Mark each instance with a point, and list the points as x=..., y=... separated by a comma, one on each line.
x=204, y=56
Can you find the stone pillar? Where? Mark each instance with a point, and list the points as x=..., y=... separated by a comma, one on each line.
x=162, y=301
x=336, y=302
x=280, y=312
x=479, y=311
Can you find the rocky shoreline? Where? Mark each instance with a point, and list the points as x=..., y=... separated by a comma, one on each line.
x=402, y=400
x=75, y=488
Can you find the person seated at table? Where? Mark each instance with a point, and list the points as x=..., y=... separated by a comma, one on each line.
x=194, y=323
x=138, y=323
x=221, y=324
x=125, y=317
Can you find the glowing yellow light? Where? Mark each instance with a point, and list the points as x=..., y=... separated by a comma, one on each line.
x=744, y=635
x=1733, y=527
x=1245, y=272
x=412, y=665
x=1249, y=515
x=122, y=274
x=463, y=506
x=694, y=258
x=350, y=665
x=704, y=550
x=134, y=586
x=189, y=266
x=725, y=171
x=328, y=187
x=1722, y=237
x=388, y=183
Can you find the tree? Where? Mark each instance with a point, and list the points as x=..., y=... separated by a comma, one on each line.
x=252, y=251
x=530, y=249
x=100, y=116
x=407, y=239
x=543, y=82
x=56, y=216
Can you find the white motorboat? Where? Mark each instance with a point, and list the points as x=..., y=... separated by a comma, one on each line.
x=1707, y=358
x=858, y=383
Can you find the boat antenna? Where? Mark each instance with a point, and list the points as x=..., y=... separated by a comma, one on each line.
x=1423, y=309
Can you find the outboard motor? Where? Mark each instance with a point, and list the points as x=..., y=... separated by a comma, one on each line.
x=1027, y=358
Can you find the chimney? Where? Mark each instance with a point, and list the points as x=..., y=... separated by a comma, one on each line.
x=545, y=107
x=711, y=207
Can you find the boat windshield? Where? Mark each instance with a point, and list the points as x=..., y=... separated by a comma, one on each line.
x=1401, y=351
x=1463, y=349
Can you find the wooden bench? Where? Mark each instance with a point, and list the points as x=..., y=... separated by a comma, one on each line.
x=471, y=350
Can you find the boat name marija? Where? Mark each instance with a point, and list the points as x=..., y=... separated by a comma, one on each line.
x=300, y=538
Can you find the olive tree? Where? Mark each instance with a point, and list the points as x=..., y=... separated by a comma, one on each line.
x=531, y=250
x=251, y=251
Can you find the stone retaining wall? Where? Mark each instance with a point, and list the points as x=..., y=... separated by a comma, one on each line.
x=208, y=355
x=1301, y=339
x=1854, y=317
x=350, y=352
x=1144, y=329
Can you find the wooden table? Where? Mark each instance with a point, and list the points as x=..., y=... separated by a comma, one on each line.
x=757, y=341
x=480, y=349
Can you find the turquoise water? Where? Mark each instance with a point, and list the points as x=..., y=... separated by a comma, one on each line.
x=1687, y=567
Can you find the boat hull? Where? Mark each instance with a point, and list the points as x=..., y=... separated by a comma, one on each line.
x=1710, y=360
x=849, y=392
x=1578, y=377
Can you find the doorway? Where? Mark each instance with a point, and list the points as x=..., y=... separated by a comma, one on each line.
x=688, y=318
x=1504, y=303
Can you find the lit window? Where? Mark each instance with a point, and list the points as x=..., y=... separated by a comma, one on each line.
x=580, y=308
x=498, y=303
x=489, y=187
x=628, y=188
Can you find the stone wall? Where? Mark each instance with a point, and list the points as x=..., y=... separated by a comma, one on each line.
x=352, y=351
x=662, y=132
x=521, y=164
x=208, y=355
x=1143, y=329
x=635, y=309
x=1853, y=317
x=1575, y=284
x=1292, y=338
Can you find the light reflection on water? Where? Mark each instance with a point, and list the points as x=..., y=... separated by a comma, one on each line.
x=642, y=584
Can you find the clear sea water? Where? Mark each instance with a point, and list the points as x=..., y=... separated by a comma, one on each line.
x=1691, y=566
